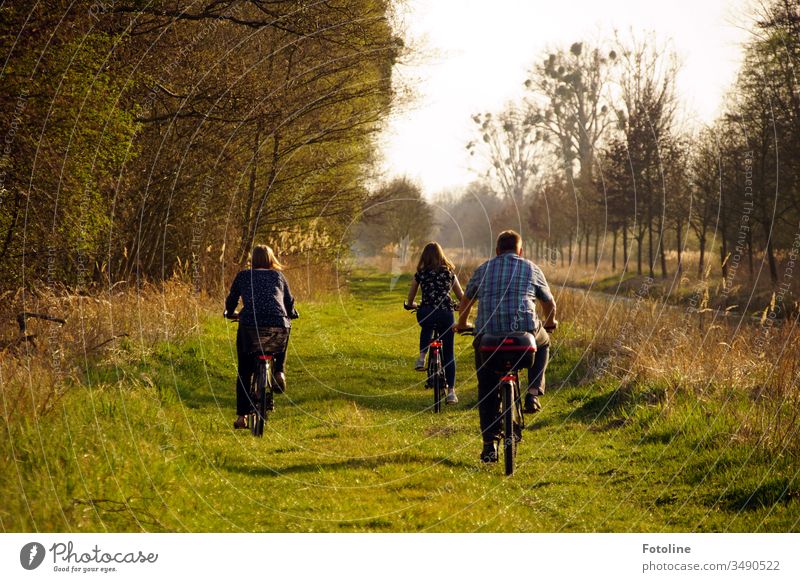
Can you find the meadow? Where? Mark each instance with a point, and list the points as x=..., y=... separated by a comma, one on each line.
x=648, y=425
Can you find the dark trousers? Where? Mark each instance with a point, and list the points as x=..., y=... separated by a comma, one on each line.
x=247, y=366
x=430, y=318
x=488, y=380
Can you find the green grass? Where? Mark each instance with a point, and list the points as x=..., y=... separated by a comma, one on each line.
x=354, y=446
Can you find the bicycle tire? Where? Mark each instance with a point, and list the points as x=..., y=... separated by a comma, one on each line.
x=252, y=397
x=509, y=440
x=436, y=377
x=261, y=408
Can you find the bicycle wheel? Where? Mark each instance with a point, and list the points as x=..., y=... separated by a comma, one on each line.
x=509, y=440
x=437, y=378
x=252, y=395
x=261, y=404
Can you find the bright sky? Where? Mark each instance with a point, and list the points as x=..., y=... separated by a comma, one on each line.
x=478, y=52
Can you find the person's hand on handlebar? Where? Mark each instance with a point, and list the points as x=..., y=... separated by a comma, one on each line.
x=411, y=306
x=232, y=316
x=458, y=327
x=551, y=327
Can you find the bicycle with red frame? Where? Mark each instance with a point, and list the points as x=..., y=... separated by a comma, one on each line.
x=435, y=367
x=505, y=355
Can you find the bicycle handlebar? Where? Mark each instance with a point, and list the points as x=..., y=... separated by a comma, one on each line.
x=235, y=316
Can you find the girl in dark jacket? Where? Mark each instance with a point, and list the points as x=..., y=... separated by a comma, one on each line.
x=268, y=303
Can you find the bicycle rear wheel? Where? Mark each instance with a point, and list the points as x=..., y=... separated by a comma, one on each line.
x=437, y=379
x=263, y=390
x=509, y=439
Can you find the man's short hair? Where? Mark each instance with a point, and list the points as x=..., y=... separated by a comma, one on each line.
x=509, y=240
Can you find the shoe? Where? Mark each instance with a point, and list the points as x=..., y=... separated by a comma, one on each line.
x=532, y=404
x=489, y=453
x=419, y=366
x=451, y=397
x=240, y=422
x=280, y=383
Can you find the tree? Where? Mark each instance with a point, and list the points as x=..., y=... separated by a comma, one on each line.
x=568, y=99
x=646, y=118
x=511, y=142
x=395, y=214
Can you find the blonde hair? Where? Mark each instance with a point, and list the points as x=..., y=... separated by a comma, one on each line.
x=433, y=257
x=264, y=258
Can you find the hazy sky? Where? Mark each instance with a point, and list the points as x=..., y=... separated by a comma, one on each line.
x=477, y=52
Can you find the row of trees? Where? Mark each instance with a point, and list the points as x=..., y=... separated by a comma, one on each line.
x=598, y=157
x=144, y=136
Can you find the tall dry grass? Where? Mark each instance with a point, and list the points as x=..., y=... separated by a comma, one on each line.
x=739, y=367
x=39, y=367
x=118, y=322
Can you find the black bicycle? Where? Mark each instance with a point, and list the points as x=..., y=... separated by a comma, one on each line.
x=505, y=356
x=263, y=345
x=435, y=368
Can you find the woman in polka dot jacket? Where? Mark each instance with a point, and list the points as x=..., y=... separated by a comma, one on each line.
x=268, y=305
x=436, y=278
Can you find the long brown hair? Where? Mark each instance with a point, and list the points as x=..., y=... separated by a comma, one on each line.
x=433, y=257
x=264, y=258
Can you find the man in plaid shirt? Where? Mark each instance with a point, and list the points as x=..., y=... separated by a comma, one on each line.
x=506, y=288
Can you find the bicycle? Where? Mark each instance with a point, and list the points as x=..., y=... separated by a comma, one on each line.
x=434, y=367
x=505, y=355
x=264, y=343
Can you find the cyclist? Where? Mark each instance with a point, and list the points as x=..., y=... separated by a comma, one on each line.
x=268, y=303
x=506, y=288
x=436, y=277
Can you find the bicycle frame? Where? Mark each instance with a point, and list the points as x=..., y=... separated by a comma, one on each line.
x=436, y=371
x=260, y=393
x=511, y=417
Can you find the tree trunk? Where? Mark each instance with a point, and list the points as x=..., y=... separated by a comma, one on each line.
x=650, y=258
x=596, y=247
x=679, y=238
x=639, y=242
x=614, y=252
x=723, y=249
x=773, y=267
x=570, y=250
x=701, y=263
x=251, y=190
x=586, y=253
x=625, y=247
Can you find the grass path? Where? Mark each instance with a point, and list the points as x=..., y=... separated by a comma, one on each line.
x=353, y=446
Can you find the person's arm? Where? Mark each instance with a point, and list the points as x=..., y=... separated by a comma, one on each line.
x=549, y=313
x=457, y=288
x=288, y=299
x=468, y=298
x=546, y=299
x=233, y=297
x=464, y=309
x=412, y=292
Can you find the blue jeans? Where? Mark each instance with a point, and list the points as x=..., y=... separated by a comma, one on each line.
x=430, y=318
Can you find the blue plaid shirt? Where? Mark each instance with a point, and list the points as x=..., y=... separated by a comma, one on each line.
x=507, y=287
